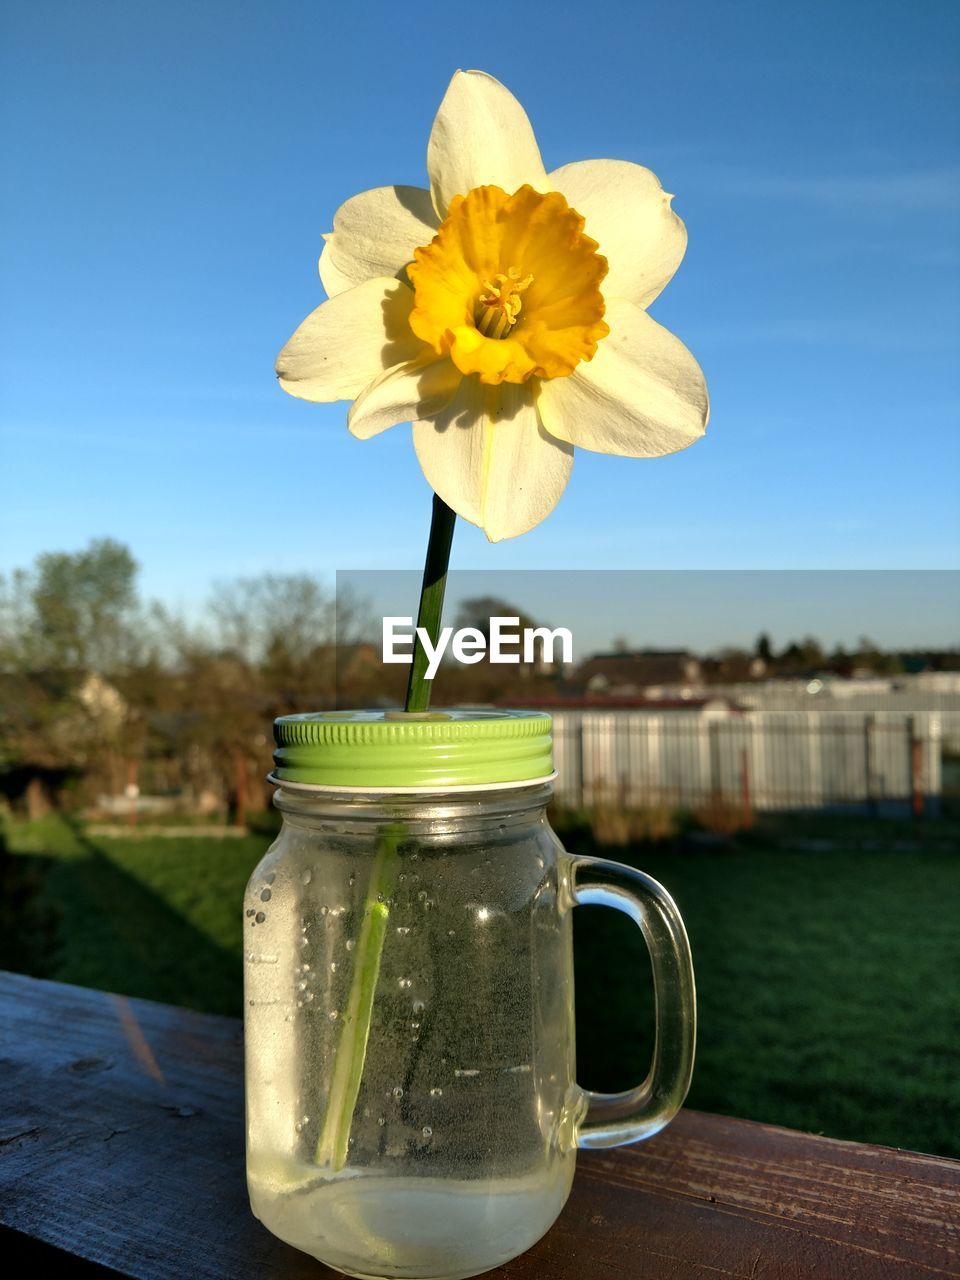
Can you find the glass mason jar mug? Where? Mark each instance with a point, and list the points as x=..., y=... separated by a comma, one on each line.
x=412, y=1108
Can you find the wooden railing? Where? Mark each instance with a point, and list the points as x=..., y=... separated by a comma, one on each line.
x=121, y=1153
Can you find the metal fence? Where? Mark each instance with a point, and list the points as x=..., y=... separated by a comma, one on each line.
x=879, y=764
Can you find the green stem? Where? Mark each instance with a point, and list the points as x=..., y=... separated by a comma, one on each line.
x=351, y=1050
x=355, y=1025
x=431, y=601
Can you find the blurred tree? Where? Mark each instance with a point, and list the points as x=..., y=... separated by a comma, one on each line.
x=16, y=620
x=763, y=648
x=840, y=662
x=478, y=611
x=870, y=657
x=284, y=628
x=267, y=648
x=84, y=606
x=94, y=683
x=803, y=657
x=70, y=628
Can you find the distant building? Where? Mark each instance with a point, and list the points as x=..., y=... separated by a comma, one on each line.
x=733, y=665
x=630, y=675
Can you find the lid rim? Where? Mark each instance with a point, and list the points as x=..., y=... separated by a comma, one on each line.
x=455, y=788
x=383, y=752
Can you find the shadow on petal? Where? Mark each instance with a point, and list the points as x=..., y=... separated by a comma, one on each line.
x=437, y=387
x=500, y=404
x=401, y=343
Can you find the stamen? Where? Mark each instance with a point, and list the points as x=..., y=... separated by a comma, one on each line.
x=498, y=307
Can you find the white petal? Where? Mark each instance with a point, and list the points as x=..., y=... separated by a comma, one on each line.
x=628, y=213
x=349, y=341
x=402, y=394
x=332, y=278
x=375, y=234
x=481, y=136
x=641, y=395
x=488, y=458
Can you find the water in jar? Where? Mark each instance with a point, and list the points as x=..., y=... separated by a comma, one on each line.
x=434, y=956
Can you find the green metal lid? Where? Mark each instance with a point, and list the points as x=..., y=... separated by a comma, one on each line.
x=383, y=750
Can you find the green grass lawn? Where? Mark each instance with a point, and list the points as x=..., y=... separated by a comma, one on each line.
x=158, y=917
x=827, y=957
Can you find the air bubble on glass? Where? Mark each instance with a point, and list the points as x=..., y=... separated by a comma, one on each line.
x=266, y=895
x=418, y=1006
x=260, y=917
x=349, y=944
x=427, y=1131
x=397, y=1093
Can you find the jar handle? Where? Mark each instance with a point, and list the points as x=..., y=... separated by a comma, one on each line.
x=613, y=1119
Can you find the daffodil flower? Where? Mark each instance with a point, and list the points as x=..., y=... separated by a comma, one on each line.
x=504, y=313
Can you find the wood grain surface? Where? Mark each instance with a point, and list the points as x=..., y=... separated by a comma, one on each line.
x=121, y=1152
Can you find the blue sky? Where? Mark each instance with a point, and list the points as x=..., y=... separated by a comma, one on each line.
x=169, y=169
x=688, y=608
